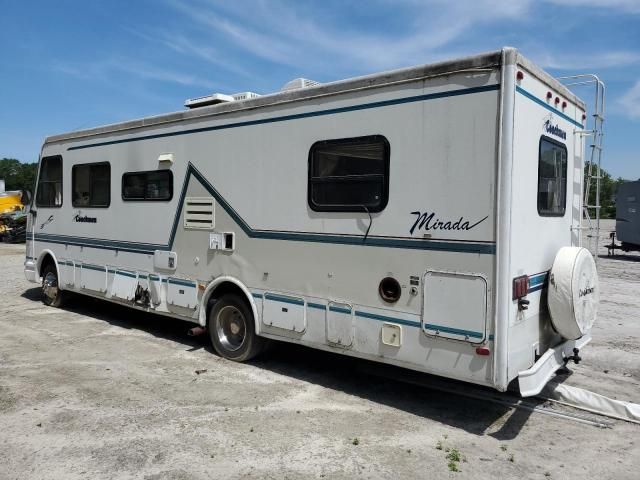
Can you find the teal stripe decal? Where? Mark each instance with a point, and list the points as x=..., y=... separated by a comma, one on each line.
x=339, y=310
x=278, y=298
x=486, y=248
x=256, y=295
x=454, y=331
x=318, y=306
x=298, y=116
x=182, y=283
x=125, y=273
x=97, y=268
x=547, y=106
x=382, y=318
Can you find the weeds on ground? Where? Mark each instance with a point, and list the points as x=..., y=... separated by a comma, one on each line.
x=453, y=456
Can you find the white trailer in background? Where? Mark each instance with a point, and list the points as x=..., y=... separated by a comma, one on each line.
x=411, y=217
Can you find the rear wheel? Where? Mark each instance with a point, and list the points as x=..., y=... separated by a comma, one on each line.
x=51, y=293
x=232, y=329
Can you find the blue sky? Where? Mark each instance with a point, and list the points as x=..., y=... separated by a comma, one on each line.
x=71, y=64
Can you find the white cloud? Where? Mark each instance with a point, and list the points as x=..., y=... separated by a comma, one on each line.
x=632, y=6
x=582, y=61
x=117, y=67
x=629, y=102
x=304, y=36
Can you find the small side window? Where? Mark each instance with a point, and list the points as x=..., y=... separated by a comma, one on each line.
x=552, y=178
x=349, y=174
x=147, y=186
x=91, y=185
x=49, y=190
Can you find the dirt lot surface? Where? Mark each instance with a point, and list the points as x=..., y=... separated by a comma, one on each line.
x=100, y=391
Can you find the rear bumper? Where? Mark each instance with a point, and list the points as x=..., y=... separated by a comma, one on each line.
x=30, y=270
x=533, y=380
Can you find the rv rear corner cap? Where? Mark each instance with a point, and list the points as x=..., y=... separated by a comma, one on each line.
x=510, y=55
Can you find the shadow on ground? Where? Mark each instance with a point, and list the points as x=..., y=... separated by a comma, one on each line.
x=417, y=393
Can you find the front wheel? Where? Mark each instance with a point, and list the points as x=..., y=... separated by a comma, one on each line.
x=232, y=329
x=51, y=293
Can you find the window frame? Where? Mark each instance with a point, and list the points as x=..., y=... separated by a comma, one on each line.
x=145, y=172
x=350, y=207
x=73, y=176
x=40, y=181
x=566, y=170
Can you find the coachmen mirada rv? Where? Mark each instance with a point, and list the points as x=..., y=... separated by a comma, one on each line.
x=426, y=217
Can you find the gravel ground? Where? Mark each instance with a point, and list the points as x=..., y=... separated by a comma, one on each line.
x=97, y=390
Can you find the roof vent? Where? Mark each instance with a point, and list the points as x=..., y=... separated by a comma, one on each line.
x=238, y=97
x=297, y=83
x=212, y=99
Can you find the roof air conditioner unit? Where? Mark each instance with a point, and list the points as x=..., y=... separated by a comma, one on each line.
x=297, y=83
x=212, y=99
x=244, y=96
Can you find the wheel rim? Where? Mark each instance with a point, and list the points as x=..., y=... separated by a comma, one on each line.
x=231, y=328
x=50, y=287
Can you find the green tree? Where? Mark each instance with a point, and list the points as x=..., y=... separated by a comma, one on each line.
x=608, y=188
x=17, y=175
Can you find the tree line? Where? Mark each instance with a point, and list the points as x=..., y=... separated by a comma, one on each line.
x=18, y=175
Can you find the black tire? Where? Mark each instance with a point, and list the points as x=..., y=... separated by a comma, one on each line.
x=51, y=293
x=232, y=330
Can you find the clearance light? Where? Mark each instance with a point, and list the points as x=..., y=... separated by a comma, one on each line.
x=564, y=105
x=483, y=351
x=557, y=100
x=519, y=75
x=520, y=287
x=584, y=116
x=549, y=95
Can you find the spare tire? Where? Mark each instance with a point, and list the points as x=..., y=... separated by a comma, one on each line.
x=574, y=293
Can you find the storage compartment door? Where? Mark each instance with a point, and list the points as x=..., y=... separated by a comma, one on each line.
x=284, y=311
x=340, y=324
x=67, y=272
x=124, y=285
x=455, y=306
x=93, y=277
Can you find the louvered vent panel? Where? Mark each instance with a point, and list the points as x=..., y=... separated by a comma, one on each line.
x=199, y=213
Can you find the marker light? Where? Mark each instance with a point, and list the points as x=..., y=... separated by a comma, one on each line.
x=520, y=287
x=564, y=105
x=549, y=95
x=519, y=75
x=584, y=116
x=557, y=100
x=483, y=351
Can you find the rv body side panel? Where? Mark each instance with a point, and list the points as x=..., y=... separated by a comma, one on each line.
x=546, y=207
x=253, y=165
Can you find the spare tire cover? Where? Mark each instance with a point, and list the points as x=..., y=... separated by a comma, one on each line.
x=574, y=293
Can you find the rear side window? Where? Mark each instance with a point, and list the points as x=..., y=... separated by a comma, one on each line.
x=91, y=185
x=552, y=178
x=49, y=193
x=349, y=174
x=155, y=185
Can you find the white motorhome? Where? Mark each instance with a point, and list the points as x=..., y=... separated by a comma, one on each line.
x=426, y=217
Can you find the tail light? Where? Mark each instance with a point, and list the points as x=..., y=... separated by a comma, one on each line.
x=520, y=287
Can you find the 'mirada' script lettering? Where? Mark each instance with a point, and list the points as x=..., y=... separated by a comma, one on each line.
x=428, y=221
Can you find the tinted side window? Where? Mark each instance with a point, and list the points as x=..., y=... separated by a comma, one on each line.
x=349, y=175
x=49, y=192
x=91, y=185
x=552, y=178
x=155, y=185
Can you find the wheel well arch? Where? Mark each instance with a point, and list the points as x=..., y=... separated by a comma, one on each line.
x=46, y=258
x=221, y=286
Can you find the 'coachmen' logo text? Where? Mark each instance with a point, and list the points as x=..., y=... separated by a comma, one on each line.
x=586, y=291
x=85, y=219
x=554, y=130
